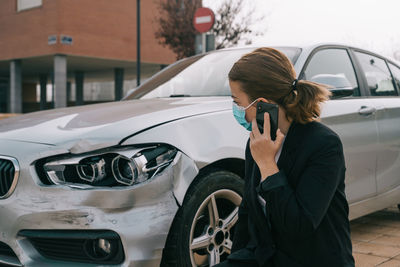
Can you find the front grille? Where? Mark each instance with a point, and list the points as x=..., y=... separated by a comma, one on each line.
x=7, y=256
x=75, y=245
x=9, y=172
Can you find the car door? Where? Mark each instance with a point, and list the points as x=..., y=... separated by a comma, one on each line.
x=384, y=95
x=352, y=118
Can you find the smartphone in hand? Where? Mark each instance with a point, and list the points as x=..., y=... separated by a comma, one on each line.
x=273, y=110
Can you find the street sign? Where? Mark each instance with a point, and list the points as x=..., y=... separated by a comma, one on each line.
x=203, y=19
x=52, y=39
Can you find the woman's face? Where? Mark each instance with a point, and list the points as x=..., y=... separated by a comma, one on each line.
x=241, y=99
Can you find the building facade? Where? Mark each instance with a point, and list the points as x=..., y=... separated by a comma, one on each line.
x=56, y=53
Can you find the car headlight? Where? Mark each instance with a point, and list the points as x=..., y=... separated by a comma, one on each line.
x=111, y=167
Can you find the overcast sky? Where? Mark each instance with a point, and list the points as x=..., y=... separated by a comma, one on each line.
x=369, y=24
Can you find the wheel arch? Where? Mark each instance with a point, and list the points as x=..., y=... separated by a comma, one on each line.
x=234, y=165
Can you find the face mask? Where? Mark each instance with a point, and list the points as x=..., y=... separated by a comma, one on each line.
x=240, y=115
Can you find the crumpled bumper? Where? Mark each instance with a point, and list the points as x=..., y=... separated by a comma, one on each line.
x=140, y=215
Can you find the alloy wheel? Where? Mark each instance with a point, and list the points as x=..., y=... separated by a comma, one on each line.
x=211, y=233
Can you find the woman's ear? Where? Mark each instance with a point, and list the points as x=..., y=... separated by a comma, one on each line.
x=265, y=100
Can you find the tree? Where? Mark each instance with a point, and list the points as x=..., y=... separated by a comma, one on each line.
x=175, y=25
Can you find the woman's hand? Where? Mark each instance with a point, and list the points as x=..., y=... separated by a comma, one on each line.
x=263, y=148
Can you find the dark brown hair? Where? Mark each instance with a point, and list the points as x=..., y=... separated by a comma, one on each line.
x=267, y=72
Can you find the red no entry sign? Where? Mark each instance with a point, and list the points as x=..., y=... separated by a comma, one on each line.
x=203, y=19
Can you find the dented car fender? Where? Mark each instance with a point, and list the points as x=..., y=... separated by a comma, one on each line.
x=191, y=136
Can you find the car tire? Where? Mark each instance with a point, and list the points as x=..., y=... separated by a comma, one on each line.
x=202, y=231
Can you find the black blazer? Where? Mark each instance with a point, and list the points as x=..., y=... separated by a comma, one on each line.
x=307, y=211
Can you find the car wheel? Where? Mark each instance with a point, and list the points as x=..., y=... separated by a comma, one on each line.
x=202, y=231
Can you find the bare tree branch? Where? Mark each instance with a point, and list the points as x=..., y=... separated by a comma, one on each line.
x=231, y=26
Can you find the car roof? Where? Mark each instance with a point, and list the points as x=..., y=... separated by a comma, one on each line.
x=305, y=46
x=309, y=46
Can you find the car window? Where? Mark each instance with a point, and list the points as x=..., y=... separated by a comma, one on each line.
x=396, y=74
x=332, y=67
x=377, y=73
x=203, y=75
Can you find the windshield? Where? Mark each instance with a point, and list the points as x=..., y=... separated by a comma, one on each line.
x=201, y=75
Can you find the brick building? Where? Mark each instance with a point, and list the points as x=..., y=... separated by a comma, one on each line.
x=50, y=50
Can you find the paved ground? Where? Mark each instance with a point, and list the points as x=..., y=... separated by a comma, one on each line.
x=376, y=239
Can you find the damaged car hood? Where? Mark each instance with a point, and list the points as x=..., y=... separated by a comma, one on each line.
x=89, y=127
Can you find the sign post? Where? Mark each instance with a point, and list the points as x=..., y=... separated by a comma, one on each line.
x=203, y=21
x=203, y=42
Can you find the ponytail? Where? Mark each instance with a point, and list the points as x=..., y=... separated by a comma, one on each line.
x=303, y=103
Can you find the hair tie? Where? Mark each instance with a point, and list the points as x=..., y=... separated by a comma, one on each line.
x=294, y=84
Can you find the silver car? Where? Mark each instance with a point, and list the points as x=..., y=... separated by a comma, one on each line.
x=156, y=179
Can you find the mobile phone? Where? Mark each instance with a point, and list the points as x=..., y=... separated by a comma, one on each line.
x=273, y=110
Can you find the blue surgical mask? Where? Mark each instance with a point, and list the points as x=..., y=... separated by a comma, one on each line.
x=240, y=115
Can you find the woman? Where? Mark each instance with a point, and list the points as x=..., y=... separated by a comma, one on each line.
x=294, y=210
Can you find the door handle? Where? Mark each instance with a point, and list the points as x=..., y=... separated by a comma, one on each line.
x=365, y=111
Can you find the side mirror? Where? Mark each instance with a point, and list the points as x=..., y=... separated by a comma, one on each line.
x=340, y=86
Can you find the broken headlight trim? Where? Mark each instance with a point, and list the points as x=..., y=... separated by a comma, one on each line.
x=112, y=167
x=92, y=171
